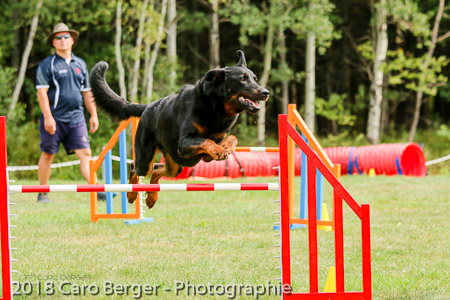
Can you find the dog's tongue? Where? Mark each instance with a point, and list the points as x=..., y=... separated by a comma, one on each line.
x=255, y=103
x=251, y=102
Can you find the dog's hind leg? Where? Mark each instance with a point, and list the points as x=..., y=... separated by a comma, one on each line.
x=133, y=179
x=168, y=169
x=144, y=167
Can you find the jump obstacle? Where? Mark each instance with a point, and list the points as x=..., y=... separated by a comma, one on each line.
x=286, y=133
x=288, y=137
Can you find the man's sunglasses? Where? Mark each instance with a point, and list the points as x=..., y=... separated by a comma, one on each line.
x=66, y=36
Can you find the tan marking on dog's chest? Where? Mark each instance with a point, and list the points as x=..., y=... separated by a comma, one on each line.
x=231, y=108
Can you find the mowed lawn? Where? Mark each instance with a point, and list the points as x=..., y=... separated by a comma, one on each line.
x=210, y=245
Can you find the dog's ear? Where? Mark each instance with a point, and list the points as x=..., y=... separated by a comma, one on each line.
x=216, y=75
x=212, y=80
x=241, y=62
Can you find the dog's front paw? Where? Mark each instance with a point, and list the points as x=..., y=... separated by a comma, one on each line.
x=229, y=144
x=229, y=149
x=221, y=153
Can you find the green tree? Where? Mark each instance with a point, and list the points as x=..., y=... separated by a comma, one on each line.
x=279, y=16
x=266, y=18
x=312, y=22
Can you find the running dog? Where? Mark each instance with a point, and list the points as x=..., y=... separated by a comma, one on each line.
x=186, y=127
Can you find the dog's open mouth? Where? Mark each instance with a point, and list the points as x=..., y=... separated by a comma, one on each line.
x=249, y=102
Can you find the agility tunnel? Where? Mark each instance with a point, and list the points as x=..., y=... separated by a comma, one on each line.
x=386, y=159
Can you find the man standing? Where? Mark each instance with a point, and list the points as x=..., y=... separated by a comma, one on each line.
x=62, y=84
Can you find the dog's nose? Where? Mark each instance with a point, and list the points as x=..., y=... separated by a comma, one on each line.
x=265, y=93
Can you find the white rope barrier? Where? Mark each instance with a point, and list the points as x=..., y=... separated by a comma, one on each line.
x=58, y=165
x=184, y=187
x=437, y=160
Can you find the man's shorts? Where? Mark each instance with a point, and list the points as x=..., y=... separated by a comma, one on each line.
x=72, y=136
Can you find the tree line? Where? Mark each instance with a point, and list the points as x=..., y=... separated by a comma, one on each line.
x=374, y=67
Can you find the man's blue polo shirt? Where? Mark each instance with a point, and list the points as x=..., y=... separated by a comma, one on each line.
x=65, y=82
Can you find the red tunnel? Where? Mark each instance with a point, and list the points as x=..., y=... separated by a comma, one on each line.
x=385, y=159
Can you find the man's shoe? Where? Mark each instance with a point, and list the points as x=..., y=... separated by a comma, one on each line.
x=43, y=198
x=102, y=195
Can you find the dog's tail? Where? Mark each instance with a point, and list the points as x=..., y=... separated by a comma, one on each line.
x=107, y=100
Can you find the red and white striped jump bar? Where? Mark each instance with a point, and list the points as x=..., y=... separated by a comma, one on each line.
x=257, y=149
x=144, y=187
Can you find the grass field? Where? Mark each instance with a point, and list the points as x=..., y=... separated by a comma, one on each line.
x=225, y=239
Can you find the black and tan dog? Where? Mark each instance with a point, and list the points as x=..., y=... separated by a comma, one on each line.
x=186, y=127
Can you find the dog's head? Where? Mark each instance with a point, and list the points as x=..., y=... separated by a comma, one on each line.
x=236, y=86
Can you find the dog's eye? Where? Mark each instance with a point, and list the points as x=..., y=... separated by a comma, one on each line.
x=244, y=79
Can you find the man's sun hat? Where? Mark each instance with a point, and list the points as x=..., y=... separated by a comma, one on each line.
x=61, y=27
